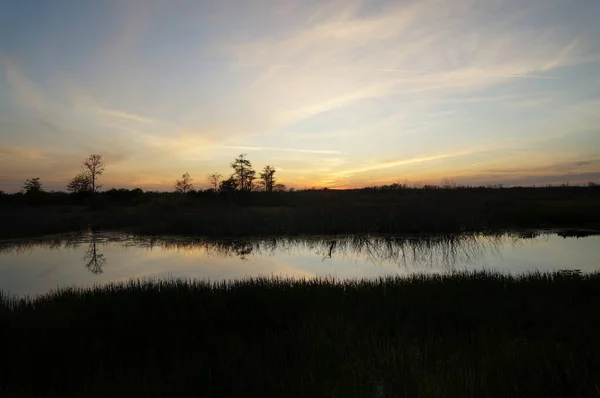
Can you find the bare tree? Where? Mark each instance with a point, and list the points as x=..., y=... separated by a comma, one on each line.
x=268, y=178
x=214, y=179
x=94, y=166
x=243, y=172
x=185, y=184
x=32, y=186
x=80, y=183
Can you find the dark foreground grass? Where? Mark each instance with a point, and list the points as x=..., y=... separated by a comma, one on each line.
x=465, y=335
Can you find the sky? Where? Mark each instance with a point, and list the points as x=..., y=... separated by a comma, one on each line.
x=334, y=94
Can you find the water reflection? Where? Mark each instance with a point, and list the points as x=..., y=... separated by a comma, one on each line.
x=422, y=251
x=94, y=261
x=39, y=265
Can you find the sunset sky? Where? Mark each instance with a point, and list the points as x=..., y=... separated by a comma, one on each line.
x=332, y=93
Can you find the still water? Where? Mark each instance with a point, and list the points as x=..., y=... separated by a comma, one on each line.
x=40, y=265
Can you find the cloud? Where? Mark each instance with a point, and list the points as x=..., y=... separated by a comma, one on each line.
x=343, y=57
x=559, y=167
x=24, y=90
x=84, y=102
x=134, y=19
x=569, y=55
x=529, y=180
x=127, y=116
x=50, y=126
x=400, y=162
x=261, y=148
x=20, y=153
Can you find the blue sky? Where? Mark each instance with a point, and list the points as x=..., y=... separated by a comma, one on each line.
x=332, y=93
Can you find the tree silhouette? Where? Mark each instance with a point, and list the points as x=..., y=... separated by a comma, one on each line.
x=32, y=186
x=94, y=166
x=243, y=172
x=213, y=180
x=267, y=177
x=80, y=183
x=228, y=185
x=279, y=188
x=185, y=184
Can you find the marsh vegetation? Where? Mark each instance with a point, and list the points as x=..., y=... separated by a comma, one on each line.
x=240, y=214
x=458, y=335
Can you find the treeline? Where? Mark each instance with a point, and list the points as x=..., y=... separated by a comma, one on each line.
x=289, y=197
x=242, y=179
x=243, y=186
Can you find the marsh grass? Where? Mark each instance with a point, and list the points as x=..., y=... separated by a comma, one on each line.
x=456, y=335
x=315, y=212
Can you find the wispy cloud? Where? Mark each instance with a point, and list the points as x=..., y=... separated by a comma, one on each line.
x=558, y=167
x=343, y=57
x=127, y=116
x=528, y=180
x=20, y=152
x=25, y=91
x=401, y=162
x=262, y=148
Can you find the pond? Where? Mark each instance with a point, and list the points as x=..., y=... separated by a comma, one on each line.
x=37, y=266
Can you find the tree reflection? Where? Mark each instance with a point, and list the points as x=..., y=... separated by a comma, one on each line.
x=407, y=251
x=436, y=250
x=93, y=260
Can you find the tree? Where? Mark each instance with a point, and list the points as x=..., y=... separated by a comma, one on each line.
x=80, y=183
x=228, y=185
x=259, y=186
x=267, y=176
x=185, y=184
x=280, y=188
x=32, y=186
x=94, y=167
x=243, y=172
x=213, y=180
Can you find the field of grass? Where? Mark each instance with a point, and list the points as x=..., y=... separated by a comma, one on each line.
x=314, y=212
x=461, y=335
